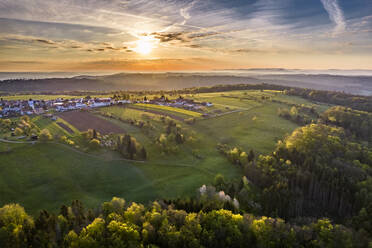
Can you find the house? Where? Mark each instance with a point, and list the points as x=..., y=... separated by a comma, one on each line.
x=100, y=102
x=123, y=101
x=31, y=103
x=207, y=104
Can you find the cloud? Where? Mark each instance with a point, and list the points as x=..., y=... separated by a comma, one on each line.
x=185, y=12
x=203, y=34
x=182, y=37
x=169, y=36
x=61, y=44
x=49, y=42
x=7, y=62
x=335, y=14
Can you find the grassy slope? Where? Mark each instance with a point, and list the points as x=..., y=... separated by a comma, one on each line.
x=37, y=177
x=52, y=126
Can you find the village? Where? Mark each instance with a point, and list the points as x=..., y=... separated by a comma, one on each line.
x=14, y=108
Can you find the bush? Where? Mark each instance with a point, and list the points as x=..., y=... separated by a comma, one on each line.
x=45, y=135
x=94, y=144
x=18, y=131
x=190, y=121
x=67, y=141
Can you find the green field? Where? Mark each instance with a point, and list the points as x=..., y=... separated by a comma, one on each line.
x=44, y=176
x=170, y=109
x=52, y=126
x=48, y=175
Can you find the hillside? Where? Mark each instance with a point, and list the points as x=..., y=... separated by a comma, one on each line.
x=360, y=85
x=246, y=119
x=233, y=154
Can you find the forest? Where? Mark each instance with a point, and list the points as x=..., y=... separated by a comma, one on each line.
x=119, y=224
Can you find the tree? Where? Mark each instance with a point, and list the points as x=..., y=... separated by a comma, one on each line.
x=116, y=205
x=6, y=123
x=45, y=135
x=94, y=135
x=15, y=226
x=179, y=138
x=243, y=159
x=132, y=148
x=18, y=131
x=123, y=234
x=94, y=144
x=221, y=229
x=25, y=118
x=272, y=233
x=251, y=156
x=143, y=153
x=294, y=111
x=45, y=226
x=219, y=181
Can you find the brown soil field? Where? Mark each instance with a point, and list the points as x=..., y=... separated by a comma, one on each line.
x=84, y=120
x=64, y=126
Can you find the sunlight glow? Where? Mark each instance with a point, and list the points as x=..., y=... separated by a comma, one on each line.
x=144, y=46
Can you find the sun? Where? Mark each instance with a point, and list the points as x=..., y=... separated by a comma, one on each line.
x=144, y=46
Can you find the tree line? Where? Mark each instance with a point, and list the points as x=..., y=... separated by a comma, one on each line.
x=120, y=224
x=319, y=170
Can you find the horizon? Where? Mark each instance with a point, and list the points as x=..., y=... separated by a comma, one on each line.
x=192, y=35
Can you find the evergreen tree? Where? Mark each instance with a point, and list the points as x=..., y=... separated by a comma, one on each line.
x=143, y=153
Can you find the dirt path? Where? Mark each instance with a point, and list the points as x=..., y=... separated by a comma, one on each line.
x=17, y=142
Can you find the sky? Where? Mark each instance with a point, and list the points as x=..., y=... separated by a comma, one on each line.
x=166, y=35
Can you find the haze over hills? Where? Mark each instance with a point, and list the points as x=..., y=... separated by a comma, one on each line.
x=356, y=82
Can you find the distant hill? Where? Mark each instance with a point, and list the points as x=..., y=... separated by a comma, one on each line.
x=360, y=85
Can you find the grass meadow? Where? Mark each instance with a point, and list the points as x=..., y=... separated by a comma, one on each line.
x=44, y=176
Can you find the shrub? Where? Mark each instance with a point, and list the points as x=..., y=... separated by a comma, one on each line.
x=18, y=131
x=190, y=121
x=45, y=135
x=94, y=144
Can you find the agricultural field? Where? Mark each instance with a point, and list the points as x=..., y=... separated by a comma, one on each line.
x=167, y=109
x=59, y=127
x=83, y=120
x=245, y=119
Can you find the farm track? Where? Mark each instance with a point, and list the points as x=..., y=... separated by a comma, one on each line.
x=17, y=142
